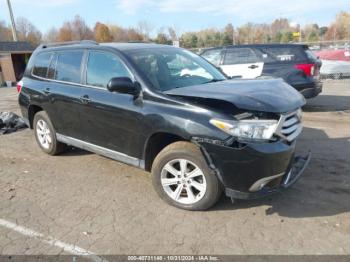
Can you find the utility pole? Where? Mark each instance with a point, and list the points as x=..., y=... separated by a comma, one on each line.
x=13, y=25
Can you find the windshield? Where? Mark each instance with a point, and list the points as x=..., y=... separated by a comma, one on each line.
x=169, y=68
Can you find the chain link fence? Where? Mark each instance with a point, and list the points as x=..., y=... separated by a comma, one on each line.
x=335, y=76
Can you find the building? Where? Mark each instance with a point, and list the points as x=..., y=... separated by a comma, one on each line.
x=13, y=60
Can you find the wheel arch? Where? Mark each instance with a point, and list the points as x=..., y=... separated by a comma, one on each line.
x=32, y=110
x=156, y=143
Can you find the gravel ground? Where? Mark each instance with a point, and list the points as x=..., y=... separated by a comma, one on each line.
x=106, y=207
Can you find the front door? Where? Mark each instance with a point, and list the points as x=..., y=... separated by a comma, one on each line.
x=109, y=120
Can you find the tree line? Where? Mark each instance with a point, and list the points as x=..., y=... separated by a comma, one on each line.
x=279, y=31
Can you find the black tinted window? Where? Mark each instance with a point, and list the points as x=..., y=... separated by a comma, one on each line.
x=41, y=64
x=282, y=54
x=68, y=66
x=102, y=67
x=213, y=56
x=240, y=56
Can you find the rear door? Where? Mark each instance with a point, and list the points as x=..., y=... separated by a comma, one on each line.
x=242, y=62
x=64, y=92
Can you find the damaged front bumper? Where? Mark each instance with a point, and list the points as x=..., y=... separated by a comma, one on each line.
x=288, y=179
x=255, y=170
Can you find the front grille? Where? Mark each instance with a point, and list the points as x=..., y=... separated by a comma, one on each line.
x=289, y=126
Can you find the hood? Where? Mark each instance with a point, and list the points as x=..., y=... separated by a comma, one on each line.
x=272, y=95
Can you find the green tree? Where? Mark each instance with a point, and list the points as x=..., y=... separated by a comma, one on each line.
x=287, y=37
x=323, y=30
x=228, y=36
x=162, y=38
x=189, y=40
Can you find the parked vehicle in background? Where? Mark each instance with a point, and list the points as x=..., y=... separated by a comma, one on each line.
x=296, y=64
x=335, y=63
x=168, y=111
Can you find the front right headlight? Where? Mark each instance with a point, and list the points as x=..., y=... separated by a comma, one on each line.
x=256, y=130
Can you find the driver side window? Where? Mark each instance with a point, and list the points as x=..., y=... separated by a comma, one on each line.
x=102, y=67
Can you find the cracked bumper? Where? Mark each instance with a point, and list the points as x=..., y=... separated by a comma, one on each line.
x=240, y=168
x=290, y=177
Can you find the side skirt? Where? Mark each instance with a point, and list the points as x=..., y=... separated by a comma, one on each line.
x=101, y=151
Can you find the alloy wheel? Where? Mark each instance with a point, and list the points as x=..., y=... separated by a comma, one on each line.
x=183, y=181
x=43, y=133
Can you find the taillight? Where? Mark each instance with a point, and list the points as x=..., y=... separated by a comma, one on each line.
x=308, y=69
x=19, y=86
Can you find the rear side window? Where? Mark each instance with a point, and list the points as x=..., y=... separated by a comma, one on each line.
x=240, y=56
x=282, y=54
x=41, y=64
x=213, y=56
x=102, y=67
x=68, y=66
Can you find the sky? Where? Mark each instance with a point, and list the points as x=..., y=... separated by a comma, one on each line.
x=185, y=15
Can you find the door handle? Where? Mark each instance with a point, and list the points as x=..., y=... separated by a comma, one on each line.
x=253, y=66
x=85, y=99
x=47, y=91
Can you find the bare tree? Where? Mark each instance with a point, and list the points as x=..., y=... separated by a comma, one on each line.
x=145, y=28
x=75, y=30
x=118, y=33
x=5, y=33
x=172, y=31
x=80, y=30
x=134, y=35
x=51, y=35
x=340, y=29
x=65, y=33
x=28, y=32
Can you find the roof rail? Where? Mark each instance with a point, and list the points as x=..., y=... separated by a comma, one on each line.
x=88, y=42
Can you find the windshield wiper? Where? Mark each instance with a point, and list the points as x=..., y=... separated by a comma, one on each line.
x=214, y=80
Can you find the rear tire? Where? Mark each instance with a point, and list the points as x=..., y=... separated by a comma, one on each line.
x=182, y=178
x=45, y=134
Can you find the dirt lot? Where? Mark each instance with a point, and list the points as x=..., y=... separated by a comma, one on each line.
x=106, y=207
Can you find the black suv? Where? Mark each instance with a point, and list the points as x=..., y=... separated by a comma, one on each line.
x=168, y=111
x=295, y=63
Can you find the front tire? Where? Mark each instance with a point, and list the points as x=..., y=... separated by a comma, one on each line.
x=182, y=178
x=45, y=134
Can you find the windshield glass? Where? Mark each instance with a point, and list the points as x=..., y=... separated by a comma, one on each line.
x=169, y=68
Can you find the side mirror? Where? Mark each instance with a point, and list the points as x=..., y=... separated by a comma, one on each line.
x=123, y=85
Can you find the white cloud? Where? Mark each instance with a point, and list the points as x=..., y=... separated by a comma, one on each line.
x=251, y=10
x=133, y=6
x=46, y=3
